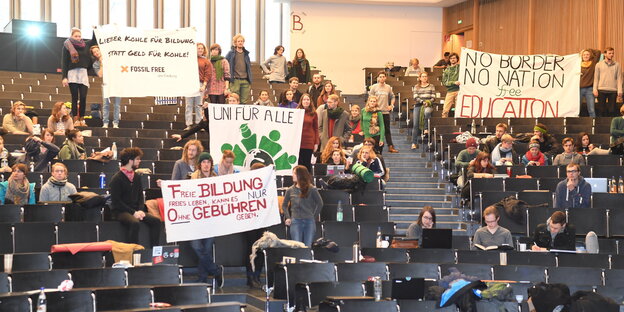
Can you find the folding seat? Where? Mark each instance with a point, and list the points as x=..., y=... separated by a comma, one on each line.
x=154, y=275
x=615, y=292
x=109, y=167
x=431, y=255
x=481, y=271
x=544, y=259
x=485, y=185
x=10, y=214
x=16, y=303
x=75, y=165
x=478, y=257
x=452, y=150
x=287, y=181
x=368, y=198
x=604, y=160
x=34, y=280
x=34, y=236
x=530, y=273
x=44, y=213
x=543, y=171
x=521, y=148
x=548, y=184
x=167, y=154
x=39, y=178
x=310, y=294
x=515, y=170
x=607, y=200
x=328, y=213
x=575, y=276
x=538, y=215
x=112, y=230
x=343, y=254
x=461, y=242
x=6, y=238
x=607, y=171
x=368, y=232
x=358, y=306
x=231, y=250
x=589, y=219
x=76, y=300
x=319, y=170
x=342, y=233
x=608, y=246
x=617, y=261
x=424, y=305
x=34, y=261
x=489, y=198
x=386, y=254
x=92, y=179
x=512, y=224
x=537, y=197
x=370, y=213
x=80, y=260
x=273, y=256
x=332, y=197
x=359, y=272
x=519, y=185
x=185, y=294
x=122, y=298
x=424, y=270
x=616, y=219
x=288, y=275
x=614, y=277
x=374, y=185
x=5, y=286
x=101, y=277
x=496, y=306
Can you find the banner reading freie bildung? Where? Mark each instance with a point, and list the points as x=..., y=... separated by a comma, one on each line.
x=517, y=86
x=210, y=207
x=256, y=134
x=148, y=62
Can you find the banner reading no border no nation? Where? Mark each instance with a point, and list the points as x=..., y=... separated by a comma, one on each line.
x=148, y=62
x=217, y=206
x=517, y=86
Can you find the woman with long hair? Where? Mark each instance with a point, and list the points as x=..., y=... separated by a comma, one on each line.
x=481, y=167
x=220, y=77
x=584, y=146
x=41, y=151
x=75, y=62
x=194, y=103
x=332, y=144
x=426, y=220
x=328, y=89
x=263, y=99
x=288, y=101
x=310, y=138
x=226, y=166
x=373, y=123
x=276, y=66
x=73, y=147
x=188, y=163
x=368, y=159
x=301, y=67
x=59, y=119
x=17, y=190
x=355, y=123
x=305, y=204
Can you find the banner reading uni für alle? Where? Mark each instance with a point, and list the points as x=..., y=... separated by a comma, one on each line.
x=256, y=134
x=517, y=86
x=210, y=207
x=148, y=62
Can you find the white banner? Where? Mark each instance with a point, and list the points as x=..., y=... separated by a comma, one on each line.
x=148, y=62
x=255, y=133
x=518, y=86
x=217, y=206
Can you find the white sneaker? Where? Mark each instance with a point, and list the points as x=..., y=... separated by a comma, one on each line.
x=115, y=125
x=105, y=125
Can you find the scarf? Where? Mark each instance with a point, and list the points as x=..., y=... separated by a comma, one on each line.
x=586, y=64
x=18, y=193
x=354, y=120
x=373, y=126
x=218, y=65
x=75, y=149
x=71, y=45
x=300, y=62
x=129, y=173
x=334, y=113
x=55, y=182
x=504, y=150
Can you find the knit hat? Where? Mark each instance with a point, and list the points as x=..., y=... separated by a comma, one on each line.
x=534, y=144
x=471, y=142
x=203, y=156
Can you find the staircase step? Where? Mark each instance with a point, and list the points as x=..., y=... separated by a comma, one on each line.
x=416, y=210
x=407, y=173
x=416, y=185
x=418, y=203
x=413, y=218
x=415, y=190
x=413, y=179
x=419, y=197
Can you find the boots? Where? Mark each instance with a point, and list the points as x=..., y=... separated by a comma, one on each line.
x=391, y=149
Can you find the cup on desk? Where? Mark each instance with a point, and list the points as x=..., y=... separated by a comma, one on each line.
x=522, y=246
x=136, y=259
x=503, y=258
x=8, y=263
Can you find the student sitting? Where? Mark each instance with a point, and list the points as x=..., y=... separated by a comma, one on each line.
x=57, y=188
x=17, y=190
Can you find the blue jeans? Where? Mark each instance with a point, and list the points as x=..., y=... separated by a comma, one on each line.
x=193, y=104
x=416, y=119
x=105, y=110
x=588, y=93
x=303, y=230
x=206, y=265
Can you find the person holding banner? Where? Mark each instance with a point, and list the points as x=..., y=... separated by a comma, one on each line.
x=385, y=100
x=193, y=104
x=75, y=61
x=305, y=204
x=240, y=68
x=127, y=202
x=188, y=163
x=450, y=79
x=203, y=247
x=310, y=138
x=590, y=58
x=98, y=67
x=226, y=166
x=220, y=76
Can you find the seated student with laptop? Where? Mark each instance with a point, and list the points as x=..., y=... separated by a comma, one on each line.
x=492, y=236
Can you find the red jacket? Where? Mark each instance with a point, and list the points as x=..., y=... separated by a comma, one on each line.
x=310, y=131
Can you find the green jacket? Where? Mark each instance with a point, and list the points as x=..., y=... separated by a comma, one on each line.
x=449, y=77
x=366, y=118
x=617, y=128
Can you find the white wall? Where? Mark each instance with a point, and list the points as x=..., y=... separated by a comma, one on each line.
x=342, y=39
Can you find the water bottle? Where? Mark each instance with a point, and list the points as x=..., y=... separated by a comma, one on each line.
x=621, y=185
x=114, y=149
x=378, y=240
x=5, y=163
x=42, y=302
x=377, y=288
x=473, y=127
x=339, y=214
x=356, y=252
x=614, y=186
x=102, y=180
x=32, y=166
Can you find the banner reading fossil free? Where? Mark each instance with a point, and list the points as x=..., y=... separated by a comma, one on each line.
x=517, y=86
x=256, y=134
x=220, y=205
x=148, y=62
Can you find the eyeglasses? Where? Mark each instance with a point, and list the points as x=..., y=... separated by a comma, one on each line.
x=571, y=171
x=427, y=218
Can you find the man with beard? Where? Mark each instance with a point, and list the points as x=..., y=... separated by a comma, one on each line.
x=127, y=202
x=333, y=121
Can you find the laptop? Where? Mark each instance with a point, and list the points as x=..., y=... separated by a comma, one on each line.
x=408, y=288
x=437, y=238
x=335, y=169
x=599, y=185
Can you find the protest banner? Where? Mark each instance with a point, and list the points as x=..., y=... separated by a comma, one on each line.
x=148, y=62
x=255, y=133
x=210, y=207
x=517, y=86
